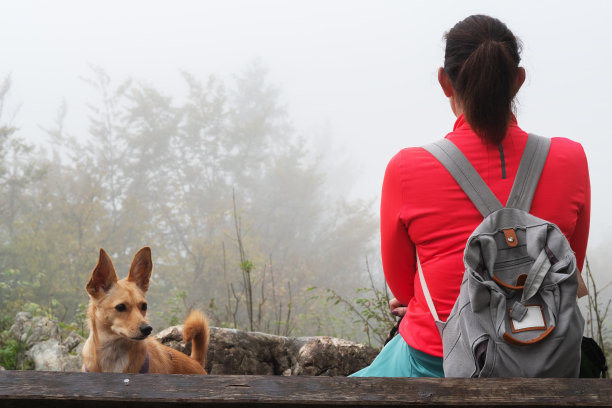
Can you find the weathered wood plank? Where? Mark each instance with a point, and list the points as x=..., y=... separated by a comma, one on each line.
x=42, y=389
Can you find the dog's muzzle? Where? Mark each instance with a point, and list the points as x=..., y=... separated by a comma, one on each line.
x=145, y=330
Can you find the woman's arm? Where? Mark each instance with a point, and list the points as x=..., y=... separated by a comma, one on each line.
x=580, y=238
x=398, y=251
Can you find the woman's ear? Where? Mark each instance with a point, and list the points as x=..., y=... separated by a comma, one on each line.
x=445, y=83
x=520, y=79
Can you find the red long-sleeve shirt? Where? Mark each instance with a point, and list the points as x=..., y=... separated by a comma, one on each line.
x=422, y=206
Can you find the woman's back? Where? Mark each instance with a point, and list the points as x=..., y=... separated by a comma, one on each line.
x=423, y=205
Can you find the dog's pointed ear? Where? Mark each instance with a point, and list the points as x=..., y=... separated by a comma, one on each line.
x=102, y=277
x=140, y=271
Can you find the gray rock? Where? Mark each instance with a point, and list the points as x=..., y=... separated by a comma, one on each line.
x=230, y=351
x=50, y=355
x=237, y=352
x=46, y=350
x=72, y=341
x=332, y=357
x=31, y=330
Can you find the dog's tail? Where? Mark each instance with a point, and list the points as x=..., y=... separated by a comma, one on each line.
x=196, y=331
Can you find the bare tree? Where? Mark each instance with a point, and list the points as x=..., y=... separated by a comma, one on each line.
x=597, y=313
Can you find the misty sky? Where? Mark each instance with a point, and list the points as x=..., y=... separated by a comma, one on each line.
x=363, y=72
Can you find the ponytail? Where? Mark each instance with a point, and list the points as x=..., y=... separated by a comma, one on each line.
x=481, y=60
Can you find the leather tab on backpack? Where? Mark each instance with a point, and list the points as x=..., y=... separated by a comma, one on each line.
x=518, y=312
x=511, y=238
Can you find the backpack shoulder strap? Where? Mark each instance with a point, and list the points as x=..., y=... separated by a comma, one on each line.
x=466, y=176
x=428, y=299
x=529, y=171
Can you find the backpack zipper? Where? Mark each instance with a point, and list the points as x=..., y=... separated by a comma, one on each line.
x=503, y=161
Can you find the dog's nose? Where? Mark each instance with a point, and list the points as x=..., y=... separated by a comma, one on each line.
x=145, y=329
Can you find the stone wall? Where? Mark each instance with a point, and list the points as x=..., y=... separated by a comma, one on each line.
x=230, y=351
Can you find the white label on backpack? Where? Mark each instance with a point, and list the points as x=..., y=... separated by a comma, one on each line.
x=533, y=320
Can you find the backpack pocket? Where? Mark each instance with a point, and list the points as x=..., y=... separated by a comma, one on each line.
x=484, y=355
x=464, y=341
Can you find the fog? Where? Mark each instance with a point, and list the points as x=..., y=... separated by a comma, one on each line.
x=363, y=70
x=357, y=78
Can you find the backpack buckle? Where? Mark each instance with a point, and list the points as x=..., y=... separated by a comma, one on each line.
x=511, y=238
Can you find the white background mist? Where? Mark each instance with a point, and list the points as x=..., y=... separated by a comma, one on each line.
x=362, y=72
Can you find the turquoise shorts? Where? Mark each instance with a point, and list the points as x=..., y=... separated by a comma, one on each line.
x=398, y=359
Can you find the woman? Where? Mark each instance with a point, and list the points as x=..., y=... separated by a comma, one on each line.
x=424, y=211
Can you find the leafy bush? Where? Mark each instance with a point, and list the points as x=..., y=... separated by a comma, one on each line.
x=368, y=310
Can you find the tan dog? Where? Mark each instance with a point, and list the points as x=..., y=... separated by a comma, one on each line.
x=118, y=329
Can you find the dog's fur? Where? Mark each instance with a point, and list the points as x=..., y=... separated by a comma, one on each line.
x=118, y=329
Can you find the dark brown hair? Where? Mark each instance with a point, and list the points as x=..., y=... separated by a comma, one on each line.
x=481, y=60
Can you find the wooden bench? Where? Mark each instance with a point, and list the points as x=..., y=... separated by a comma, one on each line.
x=45, y=389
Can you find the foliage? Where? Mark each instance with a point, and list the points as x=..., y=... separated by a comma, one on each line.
x=596, y=326
x=243, y=217
x=237, y=209
x=80, y=320
x=10, y=348
x=10, y=352
x=174, y=312
x=369, y=310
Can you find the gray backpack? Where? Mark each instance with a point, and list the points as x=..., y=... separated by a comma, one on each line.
x=516, y=314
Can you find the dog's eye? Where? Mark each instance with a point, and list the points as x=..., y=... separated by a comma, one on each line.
x=120, y=307
x=143, y=307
